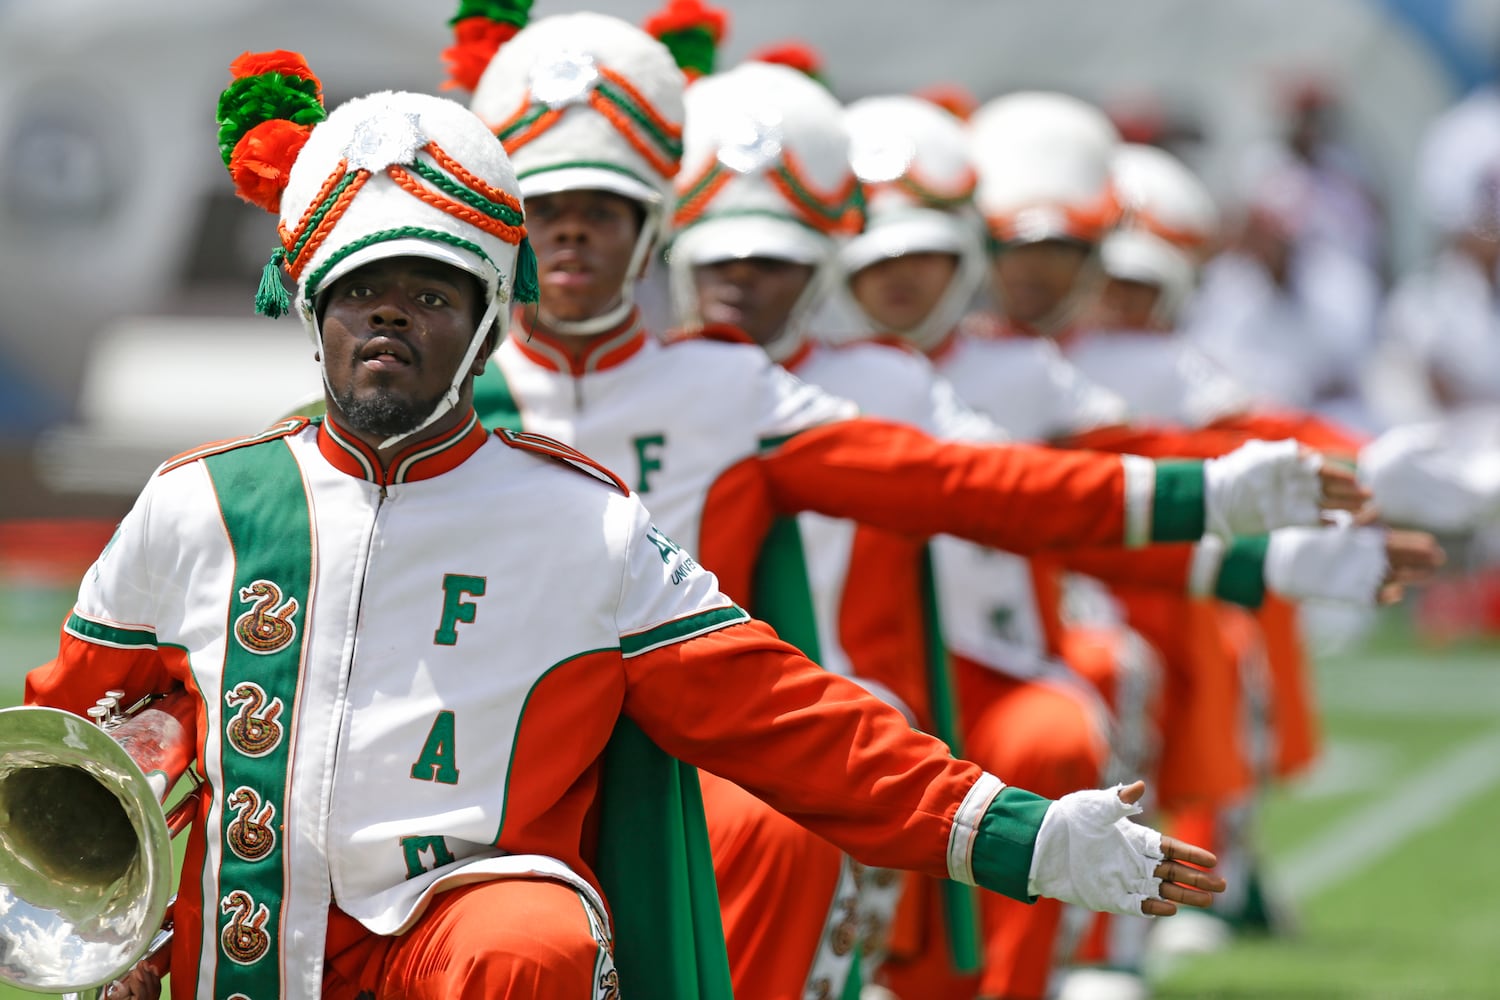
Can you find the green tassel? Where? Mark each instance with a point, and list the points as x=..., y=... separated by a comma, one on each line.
x=516, y=12
x=528, y=286
x=271, y=298
x=692, y=48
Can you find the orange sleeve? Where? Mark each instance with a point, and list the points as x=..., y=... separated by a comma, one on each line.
x=1021, y=498
x=84, y=670
x=743, y=704
x=1159, y=441
x=1310, y=429
x=1164, y=567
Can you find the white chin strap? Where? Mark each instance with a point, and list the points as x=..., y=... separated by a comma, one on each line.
x=945, y=313
x=794, y=331
x=1085, y=286
x=614, y=317
x=450, y=398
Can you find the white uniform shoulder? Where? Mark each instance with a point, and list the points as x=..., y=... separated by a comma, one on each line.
x=280, y=429
x=551, y=448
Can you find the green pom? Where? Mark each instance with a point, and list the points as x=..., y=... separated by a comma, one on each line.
x=251, y=100
x=528, y=286
x=516, y=12
x=693, y=48
x=271, y=298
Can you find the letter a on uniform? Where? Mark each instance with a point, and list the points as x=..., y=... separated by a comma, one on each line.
x=439, y=754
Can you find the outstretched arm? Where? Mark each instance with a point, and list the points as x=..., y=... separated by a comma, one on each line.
x=818, y=748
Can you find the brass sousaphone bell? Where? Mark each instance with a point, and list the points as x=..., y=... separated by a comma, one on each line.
x=85, y=847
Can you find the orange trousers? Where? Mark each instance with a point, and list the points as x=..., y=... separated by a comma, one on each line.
x=509, y=939
x=1048, y=738
x=778, y=883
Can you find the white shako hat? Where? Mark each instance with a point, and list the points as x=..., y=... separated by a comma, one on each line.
x=1168, y=223
x=388, y=175
x=1043, y=160
x=765, y=174
x=585, y=101
x=912, y=158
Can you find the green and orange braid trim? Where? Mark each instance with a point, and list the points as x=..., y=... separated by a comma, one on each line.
x=692, y=31
x=658, y=140
x=479, y=29
x=841, y=212
x=265, y=116
x=955, y=196
x=452, y=189
x=695, y=197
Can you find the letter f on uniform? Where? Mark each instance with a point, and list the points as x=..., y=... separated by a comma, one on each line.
x=456, y=587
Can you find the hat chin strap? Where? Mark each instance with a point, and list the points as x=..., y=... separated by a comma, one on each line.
x=932, y=329
x=450, y=398
x=794, y=331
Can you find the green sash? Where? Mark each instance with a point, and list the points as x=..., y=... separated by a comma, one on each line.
x=265, y=510
x=960, y=905
x=654, y=860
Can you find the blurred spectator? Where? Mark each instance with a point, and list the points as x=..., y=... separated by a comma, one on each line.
x=1291, y=314
x=1342, y=207
x=1440, y=348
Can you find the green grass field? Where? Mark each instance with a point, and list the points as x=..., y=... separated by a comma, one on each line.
x=1386, y=852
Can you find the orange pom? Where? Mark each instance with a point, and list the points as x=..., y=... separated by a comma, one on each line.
x=794, y=54
x=475, y=42
x=262, y=161
x=280, y=61
x=951, y=97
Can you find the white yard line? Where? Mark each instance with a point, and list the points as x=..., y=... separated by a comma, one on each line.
x=1418, y=802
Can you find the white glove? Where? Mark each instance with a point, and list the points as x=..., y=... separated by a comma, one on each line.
x=1426, y=476
x=1088, y=853
x=1342, y=563
x=1260, y=486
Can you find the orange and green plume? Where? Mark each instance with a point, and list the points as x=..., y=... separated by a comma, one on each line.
x=691, y=30
x=265, y=116
x=479, y=29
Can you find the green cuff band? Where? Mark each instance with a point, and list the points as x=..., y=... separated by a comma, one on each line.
x=1004, y=843
x=1242, y=573
x=1177, y=513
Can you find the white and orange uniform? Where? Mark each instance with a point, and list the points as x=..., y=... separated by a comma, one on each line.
x=1002, y=621
x=402, y=706
x=719, y=440
x=1165, y=378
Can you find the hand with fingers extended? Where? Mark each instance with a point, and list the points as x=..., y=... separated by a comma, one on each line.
x=1089, y=852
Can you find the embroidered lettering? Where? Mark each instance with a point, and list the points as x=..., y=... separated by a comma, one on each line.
x=414, y=847
x=439, y=754
x=648, y=449
x=455, y=609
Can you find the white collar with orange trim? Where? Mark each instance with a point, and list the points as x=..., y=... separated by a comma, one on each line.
x=605, y=350
x=424, y=459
